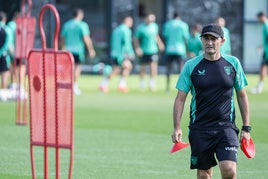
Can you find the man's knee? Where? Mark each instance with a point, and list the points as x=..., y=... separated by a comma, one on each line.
x=228, y=169
x=127, y=65
x=228, y=173
x=204, y=174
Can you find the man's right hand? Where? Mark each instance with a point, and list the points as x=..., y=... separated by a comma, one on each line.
x=92, y=53
x=139, y=52
x=177, y=136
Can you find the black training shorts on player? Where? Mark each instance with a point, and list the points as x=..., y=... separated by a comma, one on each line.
x=3, y=64
x=114, y=62
x=18, y=62
x=146, y=59
x=77, y=59
x=205, y=144
x=173, y=58
x=264, y=59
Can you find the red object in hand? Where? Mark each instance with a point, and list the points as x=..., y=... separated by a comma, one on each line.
x=178, y=146
x=249, y=150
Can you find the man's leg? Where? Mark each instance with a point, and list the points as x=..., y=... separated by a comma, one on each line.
x=4, y=72
x=116, y=71
x=180, y=64
x=203, y=152
x=153, y=68
x=127, y=67
x=168, y=72
x=142, y=76
x=2, y=80
x=263, y=72
x=20, y=73
x=228, y=169
x=5, y=77
x=104, y=84
x=77, y=73
x=226, y=152
x=13, y=75
x=204, y=174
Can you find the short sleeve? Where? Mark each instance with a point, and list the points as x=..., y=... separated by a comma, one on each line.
x=186, y=33
x=128, y=42
x=85, y=29
x=63, y=31
x=156, y=28
x=240, y=78
x=184, y=82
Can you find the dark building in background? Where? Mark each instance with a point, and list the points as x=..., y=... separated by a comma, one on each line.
x=10, y=7
x=103, y=15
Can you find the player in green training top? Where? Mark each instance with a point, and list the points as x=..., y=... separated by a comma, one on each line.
x=5, y=44
x=75, y=36
x=176, y=34
x=194, y=45
x=13, y=70
x=147, y=44
x=263, y=70
x=121, y=54
x=18, y=67
x=226, y=47
x=212, y=78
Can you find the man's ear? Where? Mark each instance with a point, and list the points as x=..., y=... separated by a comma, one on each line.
x=222, y=40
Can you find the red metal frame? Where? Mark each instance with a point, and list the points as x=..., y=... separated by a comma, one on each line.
x=49, y=126
x=25, y=32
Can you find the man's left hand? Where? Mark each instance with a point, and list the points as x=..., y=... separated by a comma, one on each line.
x=245, y=135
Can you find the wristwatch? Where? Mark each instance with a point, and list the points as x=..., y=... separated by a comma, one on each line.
x=246, y=128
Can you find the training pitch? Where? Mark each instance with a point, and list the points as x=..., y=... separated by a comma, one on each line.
x=126, y=136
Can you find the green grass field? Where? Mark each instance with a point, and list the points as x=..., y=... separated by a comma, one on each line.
x=126, y=136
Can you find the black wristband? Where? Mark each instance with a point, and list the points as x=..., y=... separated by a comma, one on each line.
x=246, y=128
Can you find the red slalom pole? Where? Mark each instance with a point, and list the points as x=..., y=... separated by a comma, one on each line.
x=25, y=32
x=51, y=78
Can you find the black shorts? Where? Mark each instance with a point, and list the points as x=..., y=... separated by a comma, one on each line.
x=264, y=60
x=77, y=59
x=18, y=62
x=172, y=58
x=114, y=62
x=3, y=64
x=146, y=59
x=205, y=144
